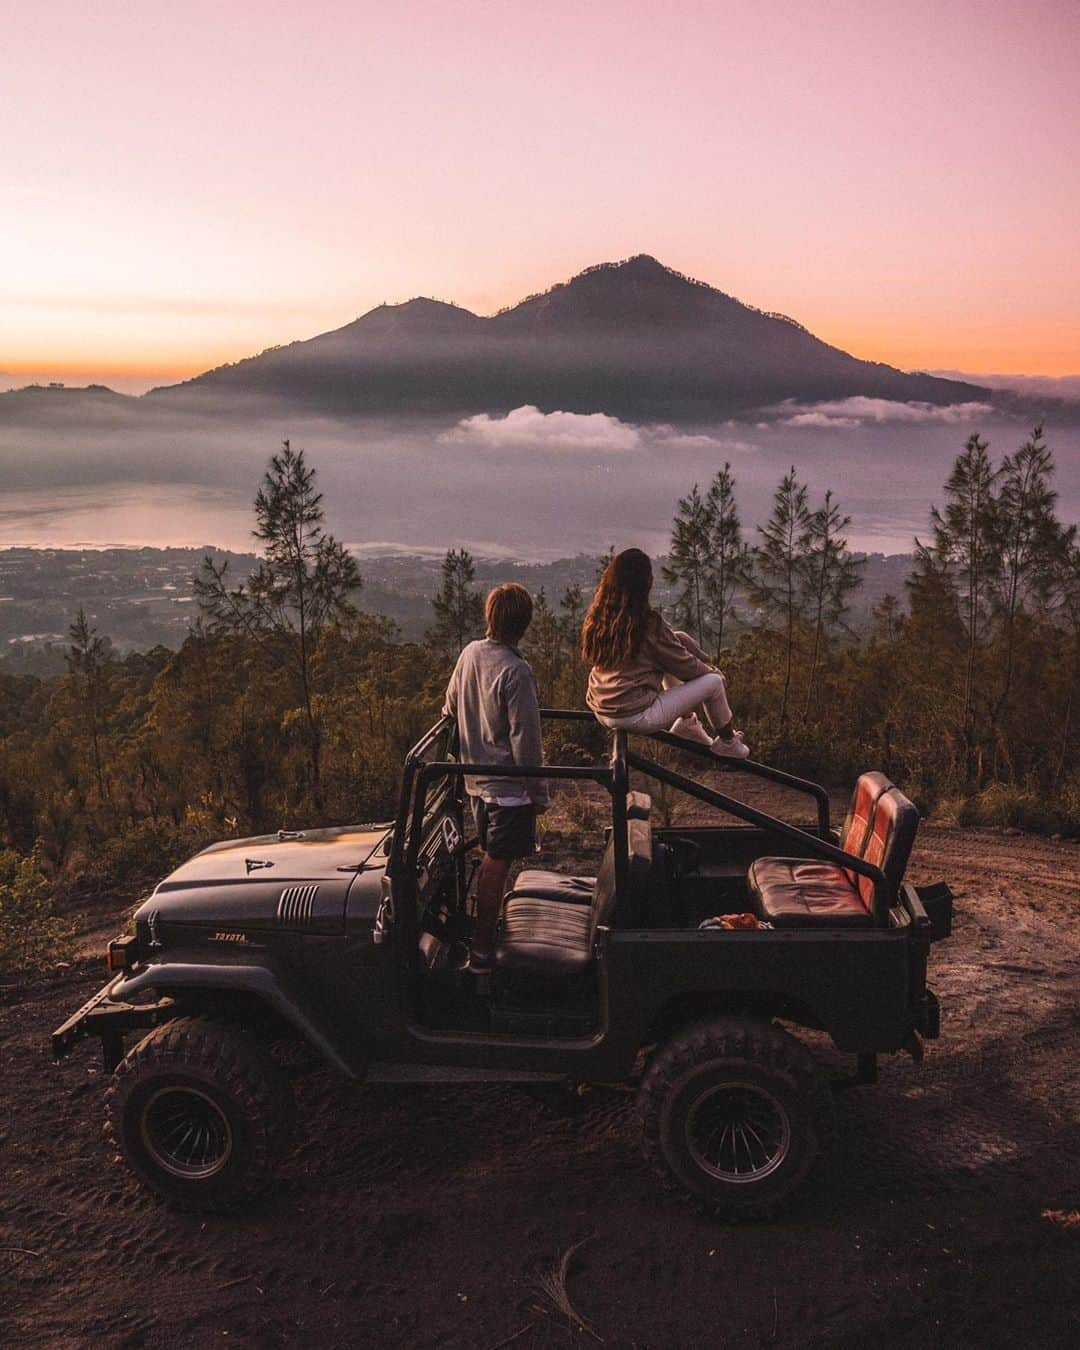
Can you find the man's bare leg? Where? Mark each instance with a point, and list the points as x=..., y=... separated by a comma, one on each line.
x=490, y=889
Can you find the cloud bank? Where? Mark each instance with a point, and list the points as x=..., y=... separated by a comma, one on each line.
x=859, y=410
x=527, y=428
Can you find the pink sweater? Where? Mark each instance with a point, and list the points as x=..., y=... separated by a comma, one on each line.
x=631, y=688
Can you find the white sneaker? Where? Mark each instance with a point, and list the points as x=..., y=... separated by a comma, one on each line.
x=690, y=729
x=733, y=748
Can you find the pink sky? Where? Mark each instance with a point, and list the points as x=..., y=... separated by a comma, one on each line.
x=186, y=184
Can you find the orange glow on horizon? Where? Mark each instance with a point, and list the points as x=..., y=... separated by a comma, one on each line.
x=1047, y=349
x=165, y=209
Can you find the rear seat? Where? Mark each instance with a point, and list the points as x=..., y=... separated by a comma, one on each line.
x=547, y=936
x=800, y=893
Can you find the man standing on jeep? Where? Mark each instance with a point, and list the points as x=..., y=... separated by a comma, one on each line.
x=492, y=694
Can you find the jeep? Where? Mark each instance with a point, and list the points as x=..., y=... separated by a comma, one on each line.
x=686, y=964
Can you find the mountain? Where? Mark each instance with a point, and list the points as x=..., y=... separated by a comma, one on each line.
x=634, y=339
x=60, y=404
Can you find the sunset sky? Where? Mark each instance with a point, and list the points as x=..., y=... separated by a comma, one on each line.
x=187, y=184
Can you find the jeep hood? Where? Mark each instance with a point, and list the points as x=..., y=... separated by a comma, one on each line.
x=290, y=880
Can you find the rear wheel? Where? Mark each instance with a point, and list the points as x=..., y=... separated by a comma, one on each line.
x=199, y=1111
x=735, y=1112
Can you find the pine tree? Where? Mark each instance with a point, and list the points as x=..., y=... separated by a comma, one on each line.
x=605, y=558
x=459, y=608
x=729, y=556
x=1030, y=539
x=688, y=562
x=300, y=589
x=778, y=585
x=965, y=548
x=88, y=663
x=1064, y=592
x=544, y=646
x=572, y=684
x=832, y=574
x=572, y=605
x=887, y=619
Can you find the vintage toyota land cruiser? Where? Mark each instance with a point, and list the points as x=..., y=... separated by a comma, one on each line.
x=345, y=940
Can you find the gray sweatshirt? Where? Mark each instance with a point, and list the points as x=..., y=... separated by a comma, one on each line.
x=493, y=695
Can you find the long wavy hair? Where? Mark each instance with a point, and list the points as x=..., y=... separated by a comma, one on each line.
x=615, y=625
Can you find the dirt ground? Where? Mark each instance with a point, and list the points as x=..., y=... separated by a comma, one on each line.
x=417, y=1217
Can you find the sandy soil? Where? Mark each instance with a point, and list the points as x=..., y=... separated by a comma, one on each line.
x=411, y=1216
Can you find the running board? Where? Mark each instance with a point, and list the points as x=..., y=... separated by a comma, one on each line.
x=453, y=1073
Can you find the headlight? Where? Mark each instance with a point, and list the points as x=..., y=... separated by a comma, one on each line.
x=122, y=953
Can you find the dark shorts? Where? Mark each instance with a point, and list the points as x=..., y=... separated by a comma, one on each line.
x=506, y=832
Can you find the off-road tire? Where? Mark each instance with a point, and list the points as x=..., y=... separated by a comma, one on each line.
x=718, y=1064
x=240, y=1100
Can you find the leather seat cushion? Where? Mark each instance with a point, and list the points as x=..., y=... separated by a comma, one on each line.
x=540, y=885
x=549, y=937
x=797, y=893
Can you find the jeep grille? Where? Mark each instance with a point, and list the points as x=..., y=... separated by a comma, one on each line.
x=294, y=906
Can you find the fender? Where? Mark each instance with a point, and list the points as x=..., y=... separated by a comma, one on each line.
x=260, y=978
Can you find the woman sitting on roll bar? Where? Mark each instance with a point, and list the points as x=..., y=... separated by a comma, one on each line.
x=644, y=677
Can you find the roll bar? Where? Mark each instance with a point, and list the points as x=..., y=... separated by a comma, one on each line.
x=884, y=895
x=803, y=785
x=615, y=778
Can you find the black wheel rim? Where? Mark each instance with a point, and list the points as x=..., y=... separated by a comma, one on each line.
x=738, y=1132
x=186, y=1133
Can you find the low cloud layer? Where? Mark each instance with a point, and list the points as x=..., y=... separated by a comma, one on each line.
x=859, y=410
x=527, y=428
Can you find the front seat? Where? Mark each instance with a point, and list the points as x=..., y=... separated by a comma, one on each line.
x=551, y=938
x=536, y=884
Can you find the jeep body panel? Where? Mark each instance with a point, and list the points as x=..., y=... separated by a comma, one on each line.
x=183, y=974
x=322, y=927
x=299, y=882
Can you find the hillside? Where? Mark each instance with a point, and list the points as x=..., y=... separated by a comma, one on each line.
x=634, y=339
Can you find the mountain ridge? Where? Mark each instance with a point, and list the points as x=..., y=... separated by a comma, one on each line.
x=634, y=339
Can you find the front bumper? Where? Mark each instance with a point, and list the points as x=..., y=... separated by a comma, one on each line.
x=109, y=1019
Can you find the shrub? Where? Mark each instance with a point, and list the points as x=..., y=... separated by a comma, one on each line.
x=32, y=937
x=1006, y=804
x=583, y=810
x=1013, y=806
x=146, y=851
x=1068, y=806
x=955, y=810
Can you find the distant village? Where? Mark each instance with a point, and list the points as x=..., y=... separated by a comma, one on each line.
x=139, y=598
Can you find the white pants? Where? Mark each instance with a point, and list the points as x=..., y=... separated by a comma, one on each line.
x=678, y=701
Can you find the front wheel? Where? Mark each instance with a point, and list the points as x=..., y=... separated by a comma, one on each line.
x=199, y=1111
x=735, y=1112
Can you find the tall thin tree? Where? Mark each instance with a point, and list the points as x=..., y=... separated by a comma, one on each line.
x=301, y=587
x=778, y=584
x=458, y=606
x=966, y=547
x=687, y=566
x=88, y=663
x=1030, y=540
x=832, y=574
x=729, y=555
